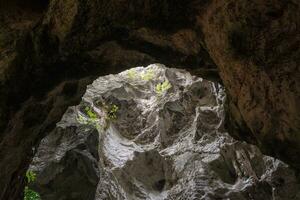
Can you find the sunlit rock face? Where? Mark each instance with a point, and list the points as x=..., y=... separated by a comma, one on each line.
x=154, y=133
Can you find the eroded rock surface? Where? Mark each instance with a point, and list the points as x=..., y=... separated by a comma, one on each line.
x=154, y=133
x=255, y=45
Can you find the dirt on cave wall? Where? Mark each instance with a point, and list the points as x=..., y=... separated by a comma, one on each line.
x=48, y=55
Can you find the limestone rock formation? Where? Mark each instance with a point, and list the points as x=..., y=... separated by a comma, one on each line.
x=154, y=133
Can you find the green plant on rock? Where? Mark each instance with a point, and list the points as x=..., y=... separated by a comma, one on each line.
x=148, y=75
x=112, y=112
x=81, y=119
x=28, y=193
x=30, y=176
x=91, y=120
x=91, y=114
x=162, y=87
x=132, y=74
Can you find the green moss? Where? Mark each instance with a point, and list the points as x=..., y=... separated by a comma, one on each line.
x=162, y=87
x=112, y=112
x=30, y=176
x=91, y=120
x=91, y=114
x=132, y=74
x=149, y=75
x=28, y=193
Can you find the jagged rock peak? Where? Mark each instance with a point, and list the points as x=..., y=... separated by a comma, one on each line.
x=154, y=133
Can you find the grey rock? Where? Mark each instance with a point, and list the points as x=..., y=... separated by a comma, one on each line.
x=66, y=162
x=165, y=140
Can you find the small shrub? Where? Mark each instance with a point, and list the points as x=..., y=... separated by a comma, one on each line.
x=30, y=194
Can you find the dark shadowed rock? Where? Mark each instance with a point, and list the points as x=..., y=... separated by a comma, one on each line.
x=256, y=46
x=67, y=164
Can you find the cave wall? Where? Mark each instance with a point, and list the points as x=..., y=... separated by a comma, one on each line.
x=49, y=53
x=256, y=48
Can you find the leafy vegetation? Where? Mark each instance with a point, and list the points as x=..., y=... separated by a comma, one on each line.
x=162, y=87
x=91, y=114
x=30, y=176
x=28, y=193
x=91, y=120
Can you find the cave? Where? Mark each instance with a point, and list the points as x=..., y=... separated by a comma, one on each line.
x=50, y=51
x=152, y=132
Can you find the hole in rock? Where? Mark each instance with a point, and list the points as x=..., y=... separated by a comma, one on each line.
x=159, y=185
x=150, y=133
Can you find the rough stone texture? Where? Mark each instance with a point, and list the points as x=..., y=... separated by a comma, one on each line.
x=256, y=46
x=67, y=160
x=72, y=41
x=162, y=145
x=34, y=120
x=44, y=44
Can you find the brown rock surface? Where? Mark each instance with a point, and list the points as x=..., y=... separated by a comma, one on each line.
x=256, y=46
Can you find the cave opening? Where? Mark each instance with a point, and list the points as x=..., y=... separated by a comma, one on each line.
x=151, y=132
x=51, y=50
